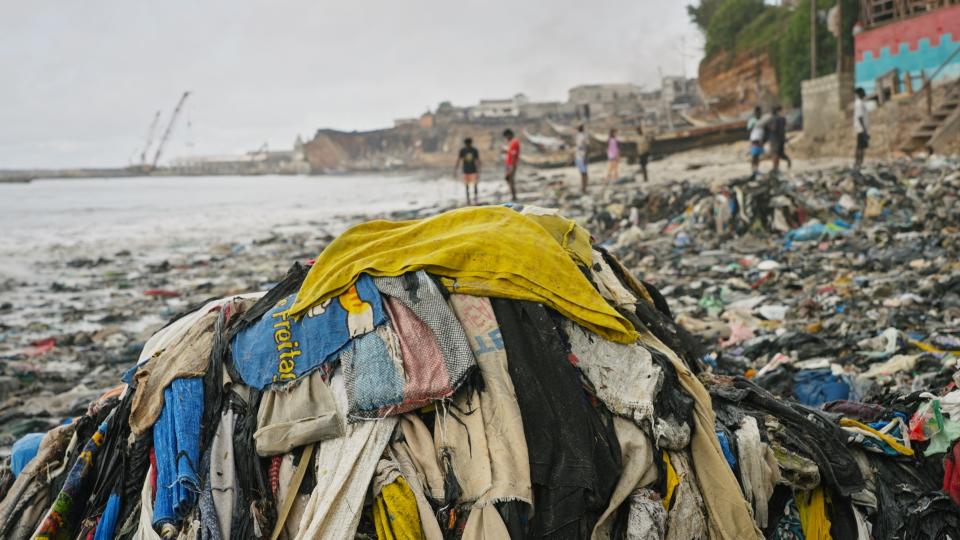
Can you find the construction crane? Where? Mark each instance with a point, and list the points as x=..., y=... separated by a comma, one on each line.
x=150, y=134
x=166, y=132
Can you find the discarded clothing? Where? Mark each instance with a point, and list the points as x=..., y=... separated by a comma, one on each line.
x=188, y=357
x=287, y=344
x=502, y=421
x=637, y=471
x=489, y=251
x=727, y=452
x=424, y=370
x=812, y=508
x=401, y=459
x=295, y=415
x=223, y=473
x=108, y=521
x=176, y=440
x=624, y=376
x=574, y=455
x=344, y=468
x=687, y=519
x=63, y=517
x=436, y=356
x=646, y=520
x=28, y=498
x=373, y=374
x=461, y=445
x=818, y=386
x=572, y=237
x=24, y=450
x=395, y=512
x=759, y=472
x=863, y=433
x=728, y=517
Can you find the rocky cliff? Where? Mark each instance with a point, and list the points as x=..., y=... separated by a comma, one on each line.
x=733, y=84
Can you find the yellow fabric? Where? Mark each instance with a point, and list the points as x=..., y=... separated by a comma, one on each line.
x=672, y=481
x=395, y=513
x=812, y=507
x=489, y=251
x=849, y=422
x=572, y=237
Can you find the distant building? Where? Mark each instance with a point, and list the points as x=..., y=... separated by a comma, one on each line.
x=535, y=110
x=426, y=120
x=406, y=122
x=598, y=100
x=904, y=39
x=603, y=93
x=498, y=108
x=680, y=91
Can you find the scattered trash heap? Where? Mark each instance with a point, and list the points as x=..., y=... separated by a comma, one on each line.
x=488, y=373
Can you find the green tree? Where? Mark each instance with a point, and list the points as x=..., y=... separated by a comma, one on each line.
x=793, y=58
x=701, y=13
x=725, y=24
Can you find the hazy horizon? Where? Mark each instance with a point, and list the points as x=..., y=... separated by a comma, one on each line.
x=85, y=79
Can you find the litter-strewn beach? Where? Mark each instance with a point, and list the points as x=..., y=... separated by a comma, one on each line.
x=837, y=291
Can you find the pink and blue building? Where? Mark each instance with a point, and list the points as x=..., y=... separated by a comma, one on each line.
x=900, y=37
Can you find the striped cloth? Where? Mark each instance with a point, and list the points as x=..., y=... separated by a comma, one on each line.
x=421, y=355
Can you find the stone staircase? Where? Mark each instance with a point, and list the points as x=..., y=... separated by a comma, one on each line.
x=943, y=116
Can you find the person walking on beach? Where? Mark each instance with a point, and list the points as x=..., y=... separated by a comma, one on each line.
x=778, y=139
x=613, y=157
x=861, y=127
x=511, y=160
x=580, y=155
x=643, y=151
x=470, y=158
x=756, y=128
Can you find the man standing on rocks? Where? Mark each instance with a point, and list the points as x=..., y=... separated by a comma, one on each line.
x=778, y=139
x=861, y=125
x=643, y=151
x=580, y=155
x=470, y=158
x=511, y=160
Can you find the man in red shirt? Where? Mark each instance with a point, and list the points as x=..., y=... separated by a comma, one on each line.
x=511, y=160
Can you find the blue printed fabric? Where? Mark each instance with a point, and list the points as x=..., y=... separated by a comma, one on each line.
x=176, y=443
x=280, y=348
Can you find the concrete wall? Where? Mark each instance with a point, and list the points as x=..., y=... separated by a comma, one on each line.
x=923, y=42
x=825, y=101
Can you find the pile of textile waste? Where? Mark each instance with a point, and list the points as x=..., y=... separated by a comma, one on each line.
x=484, y=373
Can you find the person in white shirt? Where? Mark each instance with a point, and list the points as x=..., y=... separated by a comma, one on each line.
x=861, y=125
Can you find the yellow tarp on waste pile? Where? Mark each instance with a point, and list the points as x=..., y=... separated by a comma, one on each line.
x=490, y=251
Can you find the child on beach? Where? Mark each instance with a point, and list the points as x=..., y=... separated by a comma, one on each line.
x=511, y=160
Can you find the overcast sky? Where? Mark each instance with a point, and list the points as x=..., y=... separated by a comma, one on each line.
x=81, y=80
